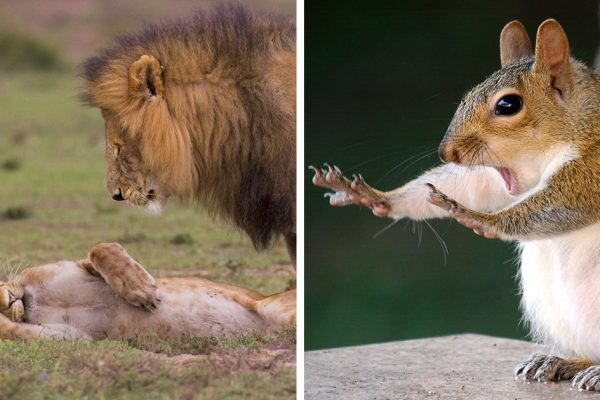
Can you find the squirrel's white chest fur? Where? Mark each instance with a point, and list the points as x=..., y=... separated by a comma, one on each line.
x=560, y=280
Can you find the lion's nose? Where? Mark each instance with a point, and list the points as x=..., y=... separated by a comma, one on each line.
x=117, y=196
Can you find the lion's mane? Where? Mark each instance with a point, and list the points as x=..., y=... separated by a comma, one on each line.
x=222, y=130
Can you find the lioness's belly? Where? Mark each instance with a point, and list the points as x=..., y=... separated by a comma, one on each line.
x=87, y=304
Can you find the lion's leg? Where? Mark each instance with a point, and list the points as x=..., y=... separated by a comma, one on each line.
x=15, y=330
x=123, y=274
x=278, y=311
x=290, y=243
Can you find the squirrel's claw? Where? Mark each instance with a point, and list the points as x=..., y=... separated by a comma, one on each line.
x=439, y=199
x=332, y=178
x=462, y=215
x=588, y=379
x=543, y=368
x=370, y=197
x=346, y=191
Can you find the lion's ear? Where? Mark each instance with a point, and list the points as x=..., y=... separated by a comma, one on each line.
x=146, y=76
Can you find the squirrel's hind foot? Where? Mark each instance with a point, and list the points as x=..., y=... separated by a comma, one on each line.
x=588, y=379
x=543, y=368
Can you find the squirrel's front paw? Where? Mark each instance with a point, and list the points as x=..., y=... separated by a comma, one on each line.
x=461, y=214
x=439, y=199
x=348, y=192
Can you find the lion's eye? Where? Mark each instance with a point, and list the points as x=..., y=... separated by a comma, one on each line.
x=509, y=105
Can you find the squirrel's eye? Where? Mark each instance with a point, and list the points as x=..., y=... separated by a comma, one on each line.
x=509, y=105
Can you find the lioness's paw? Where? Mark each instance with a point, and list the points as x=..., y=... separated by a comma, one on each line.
x=124, y=275
x=137, y=287
x=5, y=298
x=11, y=306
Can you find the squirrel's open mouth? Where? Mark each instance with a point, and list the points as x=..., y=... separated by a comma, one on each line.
x=508, y=178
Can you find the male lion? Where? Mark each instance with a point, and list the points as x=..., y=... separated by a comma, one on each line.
x=204, y=109
x=102, y=297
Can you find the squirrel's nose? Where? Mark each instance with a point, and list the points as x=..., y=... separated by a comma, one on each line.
x=117, y=196
x=445, y=152
x=442, y=153
x=448, y=154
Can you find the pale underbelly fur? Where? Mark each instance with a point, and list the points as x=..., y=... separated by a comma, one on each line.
x=560, y=280
x=85, y=305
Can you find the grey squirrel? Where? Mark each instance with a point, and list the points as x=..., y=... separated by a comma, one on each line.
x=528, y=138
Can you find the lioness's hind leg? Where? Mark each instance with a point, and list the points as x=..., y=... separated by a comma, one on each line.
x=14, y=330
x=123, y=274
x=278, y=311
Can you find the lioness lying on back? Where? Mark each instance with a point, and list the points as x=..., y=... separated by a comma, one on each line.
x=110, y=295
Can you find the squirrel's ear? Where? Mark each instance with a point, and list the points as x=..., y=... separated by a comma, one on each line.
x=552, y=53
x=514, y=43
x=146, y=76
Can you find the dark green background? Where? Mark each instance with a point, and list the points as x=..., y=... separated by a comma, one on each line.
x=383, y=79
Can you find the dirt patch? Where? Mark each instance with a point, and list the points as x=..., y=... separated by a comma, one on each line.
x=227, y=361
x=248, y=352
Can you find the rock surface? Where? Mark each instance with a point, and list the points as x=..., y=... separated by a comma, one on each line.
x=466, y=366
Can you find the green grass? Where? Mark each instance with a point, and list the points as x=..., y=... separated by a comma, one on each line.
x=23, y=51
x=114, y=369
x=54, y=206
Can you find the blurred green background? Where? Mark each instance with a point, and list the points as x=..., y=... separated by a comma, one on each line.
x=382, y=82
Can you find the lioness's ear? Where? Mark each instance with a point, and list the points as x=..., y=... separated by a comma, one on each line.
x=552, y=54
x=145, y=76
x=514, y=43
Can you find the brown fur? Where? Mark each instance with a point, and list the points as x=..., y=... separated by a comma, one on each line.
x=561, y=99
x=559, y=114
x=204, y=109
x=109, y=294
x=546, y=195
